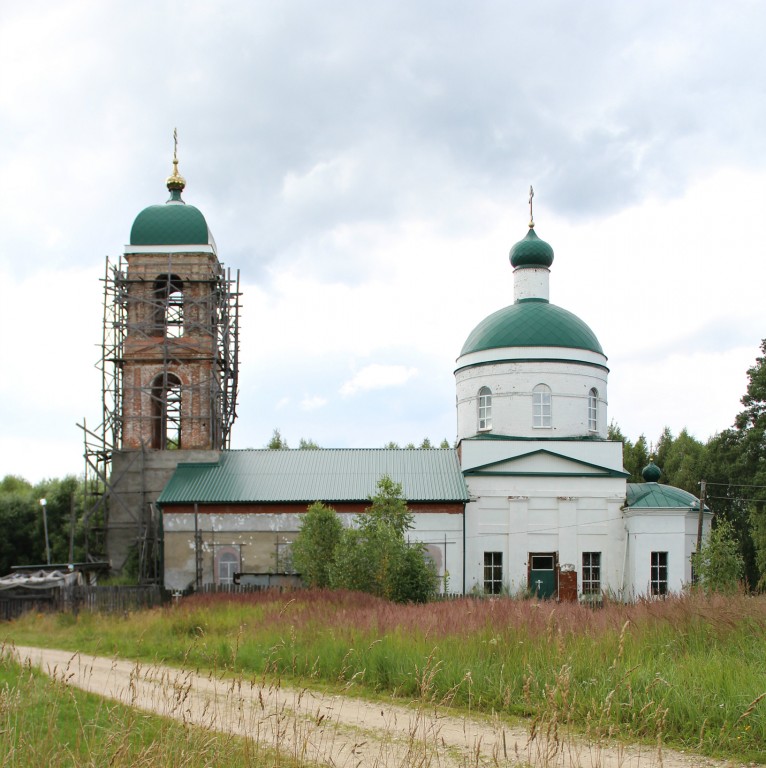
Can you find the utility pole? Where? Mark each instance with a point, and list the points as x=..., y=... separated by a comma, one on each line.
x=44, y=505
x=71, y=529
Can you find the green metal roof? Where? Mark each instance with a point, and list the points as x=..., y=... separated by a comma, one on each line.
x=305, y=476
x=531, y=252
x=173, y=223
x=531, y=323
x=659, y=496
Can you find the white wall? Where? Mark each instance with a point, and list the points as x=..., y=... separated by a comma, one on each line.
x=661, y=530
x=511, y=384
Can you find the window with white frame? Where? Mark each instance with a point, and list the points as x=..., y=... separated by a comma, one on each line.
x=658, y=583
x=593, y=410
x=228, y=565
x=591, y=573
x=485, y=409
x=541, y=406
x=493, y=573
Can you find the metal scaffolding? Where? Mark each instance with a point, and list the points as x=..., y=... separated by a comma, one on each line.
x=164, y=325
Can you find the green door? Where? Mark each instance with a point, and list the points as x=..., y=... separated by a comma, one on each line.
x=542, y=574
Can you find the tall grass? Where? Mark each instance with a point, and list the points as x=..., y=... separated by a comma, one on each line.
x=689, y=670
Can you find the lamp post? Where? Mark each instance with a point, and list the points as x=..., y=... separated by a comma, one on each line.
x=43, y=504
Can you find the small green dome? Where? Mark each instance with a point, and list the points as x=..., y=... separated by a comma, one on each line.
x=651, y=472
x=531, y=252
x=532, y=323
x=174, y=223
x=655, y=496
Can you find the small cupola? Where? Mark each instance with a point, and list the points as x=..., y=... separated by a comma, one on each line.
x=651, y=472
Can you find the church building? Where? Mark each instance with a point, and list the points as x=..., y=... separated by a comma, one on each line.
x=534, y=498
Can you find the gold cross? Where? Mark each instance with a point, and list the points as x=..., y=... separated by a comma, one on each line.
x=531, y=217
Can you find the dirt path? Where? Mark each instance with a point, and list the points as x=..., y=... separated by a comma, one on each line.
x=333, y=729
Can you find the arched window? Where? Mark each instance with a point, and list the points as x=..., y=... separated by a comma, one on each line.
x=593, y=410
x=166, y=412
x=541, y=406
x=485, y=409
x=228, y=565
x=169, y=306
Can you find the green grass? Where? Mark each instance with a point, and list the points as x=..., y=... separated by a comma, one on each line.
x=686, y=671
x=46, y=723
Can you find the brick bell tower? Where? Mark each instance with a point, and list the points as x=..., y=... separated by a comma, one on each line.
x=172, y=391
x=175, y=367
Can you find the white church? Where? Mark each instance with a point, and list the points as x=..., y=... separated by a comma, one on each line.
x=534, y=498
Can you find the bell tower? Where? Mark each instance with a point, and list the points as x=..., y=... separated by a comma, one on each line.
x=179, y=378
x=169, y=370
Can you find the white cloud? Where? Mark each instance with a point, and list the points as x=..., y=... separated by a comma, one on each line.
x=378, y=376
x=312, y=403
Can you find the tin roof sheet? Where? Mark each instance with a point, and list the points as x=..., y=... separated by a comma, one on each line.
x=660, y=496
x=343, y=474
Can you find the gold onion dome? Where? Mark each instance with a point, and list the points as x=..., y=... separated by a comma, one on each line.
x=175, y=182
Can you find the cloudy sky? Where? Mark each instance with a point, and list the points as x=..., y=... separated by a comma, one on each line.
x=366, y=167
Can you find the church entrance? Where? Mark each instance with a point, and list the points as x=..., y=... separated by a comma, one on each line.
x=542, y=575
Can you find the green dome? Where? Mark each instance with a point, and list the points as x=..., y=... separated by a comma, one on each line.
x=532, y=323
x=651, y=472
x=531, y=252
x=173, y=223
x=655, y=496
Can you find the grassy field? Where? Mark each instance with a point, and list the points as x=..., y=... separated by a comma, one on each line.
x=45, y=723
x=689, y=672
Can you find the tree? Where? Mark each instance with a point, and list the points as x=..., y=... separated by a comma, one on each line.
x=444, y=443
x=719, y=564
x=634, y=456
x=21, y=521
x=683, y=462
x=392, y=446
x=277, y=443
x=313, y=550
x=736, y=474
x=375, y=557
x=307, y=445
x=426, y=443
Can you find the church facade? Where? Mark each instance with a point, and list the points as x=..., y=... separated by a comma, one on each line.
x=534, y=498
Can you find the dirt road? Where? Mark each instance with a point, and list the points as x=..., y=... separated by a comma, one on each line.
x=337, y=730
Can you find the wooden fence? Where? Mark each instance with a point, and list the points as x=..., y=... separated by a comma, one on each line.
x=84, y=598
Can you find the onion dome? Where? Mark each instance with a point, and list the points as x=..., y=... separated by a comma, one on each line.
x=175, y=222
x=651, y=472
x=531, y=321
x=531, y=252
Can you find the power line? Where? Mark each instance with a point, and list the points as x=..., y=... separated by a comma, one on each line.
x=737, y=485
x=733, y=498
